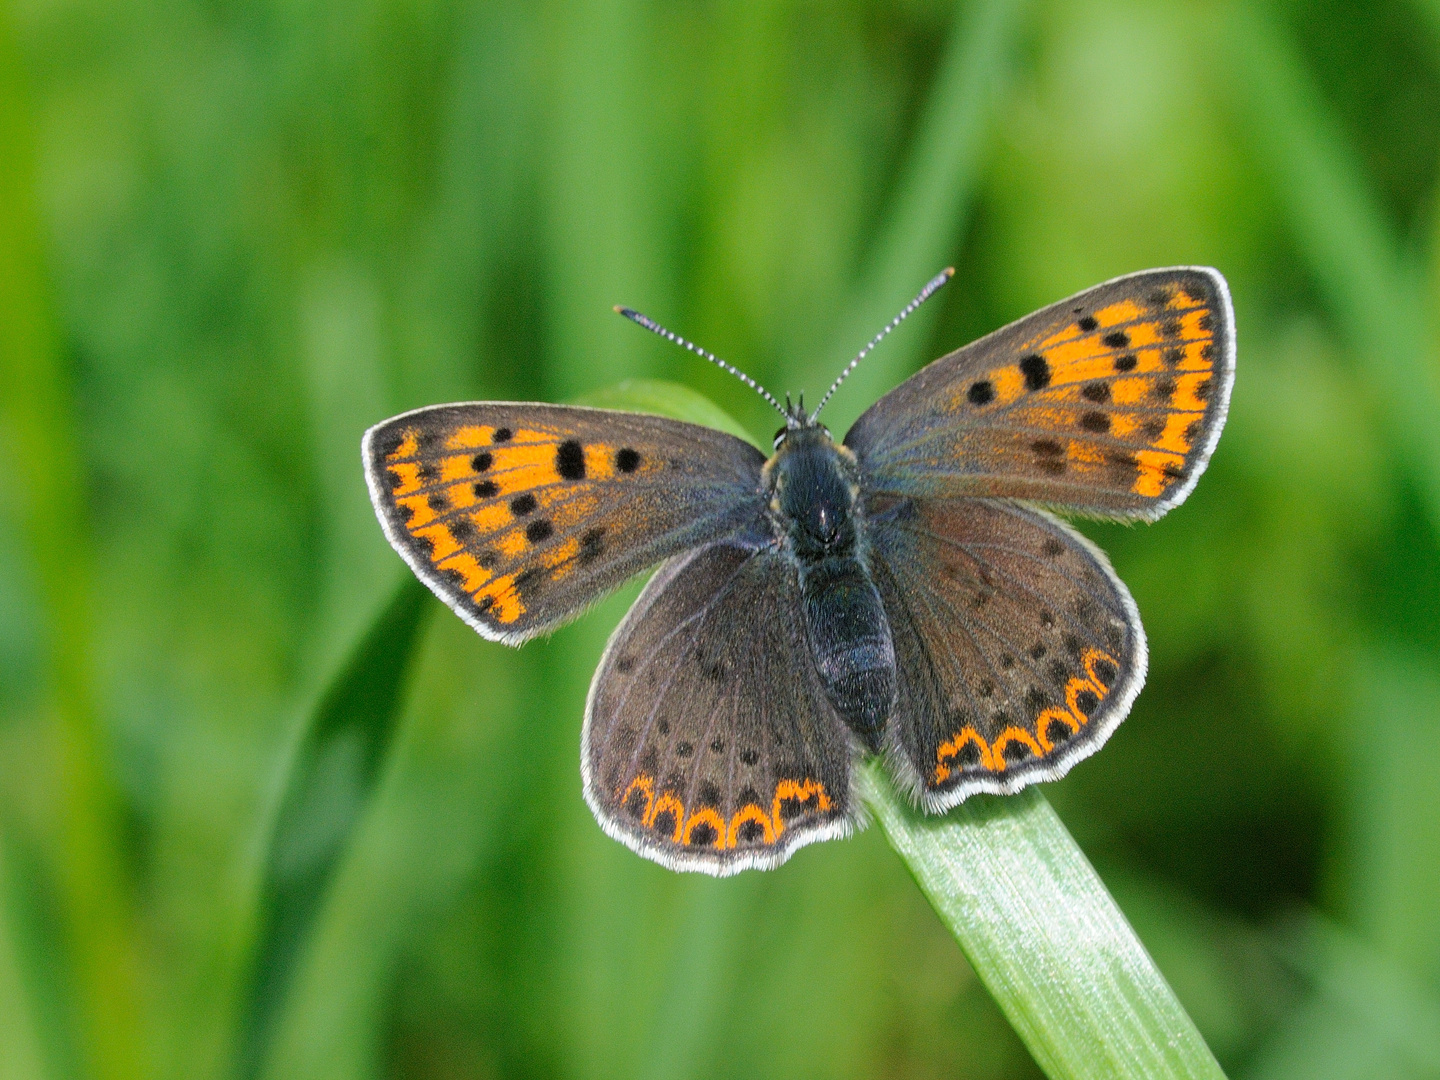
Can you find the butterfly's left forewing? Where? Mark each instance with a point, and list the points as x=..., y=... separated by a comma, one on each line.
x=518, y=515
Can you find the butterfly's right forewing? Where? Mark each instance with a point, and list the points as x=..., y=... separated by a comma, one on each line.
x=1109, y=403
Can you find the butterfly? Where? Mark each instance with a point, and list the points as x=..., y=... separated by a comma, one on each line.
x=904, y=592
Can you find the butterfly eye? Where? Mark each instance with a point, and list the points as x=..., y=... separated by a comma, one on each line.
x=780, y=437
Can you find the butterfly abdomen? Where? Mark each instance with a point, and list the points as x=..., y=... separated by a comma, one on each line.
x=850, y=640
x=814, y=506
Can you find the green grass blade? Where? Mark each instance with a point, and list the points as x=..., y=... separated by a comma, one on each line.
x=662, y=398
x=39, y=438
x=1044, y=936
x=21, y=1056
x=433, y=816
x=1364, y=1018
x=1341, y=230
x=1394, y=805
x=922, y=229
x=330, y=781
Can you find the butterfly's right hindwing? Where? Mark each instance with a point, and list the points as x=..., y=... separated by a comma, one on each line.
x=1018, y=650
x=519, y=515
x=709, y=743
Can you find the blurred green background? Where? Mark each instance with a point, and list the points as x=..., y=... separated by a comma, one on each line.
x=267, y=810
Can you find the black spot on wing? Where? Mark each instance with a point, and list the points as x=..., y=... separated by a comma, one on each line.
x=570, y=460
x=1036, y=371
x=538, y=531
x=1049, y=455
x=1015, y=750
x=592, y=545
x=981, y=392
x=627, y=460
x=703, y=835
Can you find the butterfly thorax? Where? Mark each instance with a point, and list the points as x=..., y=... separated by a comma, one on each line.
x=814, y=499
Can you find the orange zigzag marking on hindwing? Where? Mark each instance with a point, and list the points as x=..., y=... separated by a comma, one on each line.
x=992, y=756
x=727, y=832
x=952, y=748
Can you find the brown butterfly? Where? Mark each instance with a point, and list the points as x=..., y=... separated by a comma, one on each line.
x=899, y=593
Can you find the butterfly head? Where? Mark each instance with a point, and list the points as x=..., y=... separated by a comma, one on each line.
x=813, y=485
x=797, y=420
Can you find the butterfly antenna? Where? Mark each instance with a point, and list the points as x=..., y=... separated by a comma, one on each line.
x=669, y=335
x=931, y=287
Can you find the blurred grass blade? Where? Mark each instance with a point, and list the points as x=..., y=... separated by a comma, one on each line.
x=922, y=229
x=1341, y=230
x=331, y=778
x=1044, y=936
x=702, y=971
x=1364, y=1018
x=435, y=814
x=38, y=436
x=21, y=1057
x=1394, y=805
x=662, y=398
x=1430, y=11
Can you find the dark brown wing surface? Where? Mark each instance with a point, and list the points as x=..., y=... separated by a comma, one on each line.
x=1018, y=649
x=709, y=743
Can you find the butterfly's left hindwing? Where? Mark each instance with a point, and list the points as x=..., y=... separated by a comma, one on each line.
x=518, y=516
x=1017, y=648
x=709, y=743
